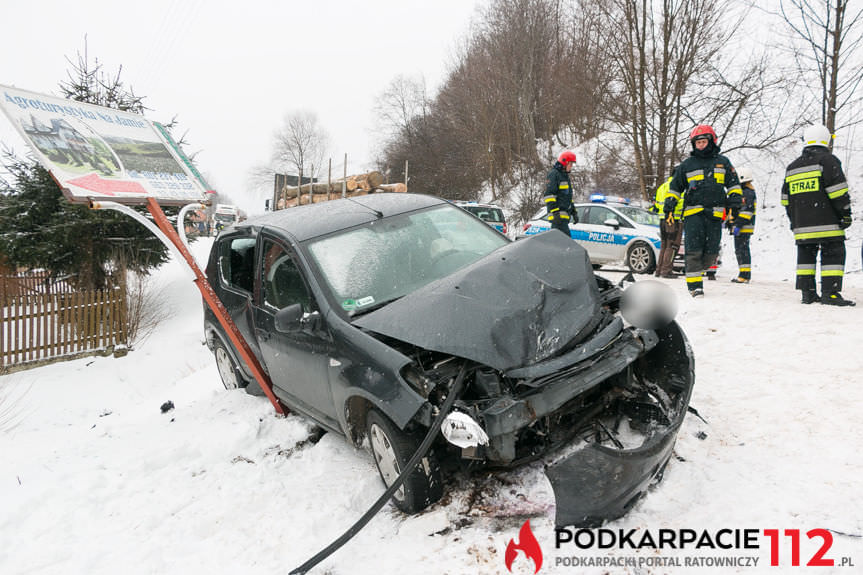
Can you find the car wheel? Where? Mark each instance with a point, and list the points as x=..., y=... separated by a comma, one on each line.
x=640, y=258
x=392, y=448
x=228, y=370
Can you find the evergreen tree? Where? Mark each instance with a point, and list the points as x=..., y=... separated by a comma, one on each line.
x=39, y=228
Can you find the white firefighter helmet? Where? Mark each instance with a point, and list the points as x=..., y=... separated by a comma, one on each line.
x=744, y=174
x=816, y=135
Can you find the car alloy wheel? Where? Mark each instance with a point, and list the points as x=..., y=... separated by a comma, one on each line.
x=226, y=367
x=392, y=448
x=640, y=258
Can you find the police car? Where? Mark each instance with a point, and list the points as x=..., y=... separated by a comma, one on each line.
x=611, y=231
x=490, y=214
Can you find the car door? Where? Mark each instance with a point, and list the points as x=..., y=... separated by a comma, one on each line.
x=595, y=236
x=237, y=280
x=296, y=360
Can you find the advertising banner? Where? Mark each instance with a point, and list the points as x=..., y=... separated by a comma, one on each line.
x=98, y=153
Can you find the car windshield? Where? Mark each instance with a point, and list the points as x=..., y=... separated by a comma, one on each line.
x=370, y=265
x=639, y=215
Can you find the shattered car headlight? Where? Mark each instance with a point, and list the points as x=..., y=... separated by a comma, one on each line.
x=461, y=430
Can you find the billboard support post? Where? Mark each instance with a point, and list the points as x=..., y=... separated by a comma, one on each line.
x=219, y=310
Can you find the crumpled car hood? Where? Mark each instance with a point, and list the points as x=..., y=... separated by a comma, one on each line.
x=515, y=307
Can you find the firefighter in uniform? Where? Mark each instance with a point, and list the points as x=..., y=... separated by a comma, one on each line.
x=743, y=226
x=816, y=199
x=670, y=232
x=706, y=183
x=558, y=193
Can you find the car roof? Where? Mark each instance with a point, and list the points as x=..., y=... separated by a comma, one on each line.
x=312, y=220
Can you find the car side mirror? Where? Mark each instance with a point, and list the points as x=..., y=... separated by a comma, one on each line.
x=612, y=222
x=292, y=319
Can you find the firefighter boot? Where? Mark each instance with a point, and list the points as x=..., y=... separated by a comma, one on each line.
x=835, y=298
x=809, y=296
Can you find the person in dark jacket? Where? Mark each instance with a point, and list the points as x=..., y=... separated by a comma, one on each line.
x=558, y=193
x=743, y=226
x=707, y=183
x=816, y=199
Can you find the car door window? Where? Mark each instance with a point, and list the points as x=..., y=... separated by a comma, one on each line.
x=597, y=215
x=282, y=280
x=237, y=263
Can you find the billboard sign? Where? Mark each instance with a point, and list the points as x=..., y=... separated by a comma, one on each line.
x=97, y=153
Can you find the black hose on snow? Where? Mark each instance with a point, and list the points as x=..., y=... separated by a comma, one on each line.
x=382, y=500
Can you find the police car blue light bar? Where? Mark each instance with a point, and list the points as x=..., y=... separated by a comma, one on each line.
x=602, y=198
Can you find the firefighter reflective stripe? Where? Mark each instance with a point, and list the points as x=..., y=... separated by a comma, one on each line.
x=694, y=176
x=745, y=269
x=806, y=269
x=693, y=277
x=563, y=186
x=692, y=210
x=839, y=189
x=818, y=232
x=719, y=175
x=735, y=190
x=550, y=199
x=832, y=271
x=747, y=229
x=783, y=200
x=745, y=215
x=804, y=179
x=564, y=215
x=719, y=212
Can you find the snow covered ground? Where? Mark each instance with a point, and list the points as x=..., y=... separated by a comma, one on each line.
x=94, y=479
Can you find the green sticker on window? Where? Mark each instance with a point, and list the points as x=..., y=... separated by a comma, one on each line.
x=349, y=305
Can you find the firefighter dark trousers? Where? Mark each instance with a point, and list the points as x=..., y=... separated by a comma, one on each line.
x=832, y=266
x=701, y=235
x=744, y=256
x=562, y=225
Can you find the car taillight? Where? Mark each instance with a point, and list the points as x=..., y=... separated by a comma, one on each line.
x=504, y=228
x=526, y=227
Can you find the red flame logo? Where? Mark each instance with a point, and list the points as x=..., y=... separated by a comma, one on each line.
x=528, y=544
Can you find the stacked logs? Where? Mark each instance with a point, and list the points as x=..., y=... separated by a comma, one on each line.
x=357, y=185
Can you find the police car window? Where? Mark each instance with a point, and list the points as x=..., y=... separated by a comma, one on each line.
x=237, y=263
x=598, y=215
x=281, y=279
x=582, y=213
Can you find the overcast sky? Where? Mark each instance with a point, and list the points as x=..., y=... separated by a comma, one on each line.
x=230, y=71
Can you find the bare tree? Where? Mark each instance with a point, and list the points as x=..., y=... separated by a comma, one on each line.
x=301, y=144
x=830, y=59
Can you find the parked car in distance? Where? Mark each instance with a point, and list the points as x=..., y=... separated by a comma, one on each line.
x=489, y=213
x=612, y=231
x=373, y=315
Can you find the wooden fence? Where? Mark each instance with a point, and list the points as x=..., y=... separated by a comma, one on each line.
x=42, y=321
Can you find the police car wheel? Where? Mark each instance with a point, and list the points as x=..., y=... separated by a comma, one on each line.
x=640, y=258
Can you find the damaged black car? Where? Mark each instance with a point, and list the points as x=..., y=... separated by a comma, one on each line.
x=371, y=314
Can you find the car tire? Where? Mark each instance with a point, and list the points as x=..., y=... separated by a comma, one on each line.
x=596, y=266
x=228, y=370
x=392, y=448
x=640, y=258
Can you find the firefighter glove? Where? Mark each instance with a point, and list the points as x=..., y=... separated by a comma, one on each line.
x=669, y=219
x=846, y=222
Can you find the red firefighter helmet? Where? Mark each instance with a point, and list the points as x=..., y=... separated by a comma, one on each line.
x=566, y=157
x=702, y=130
